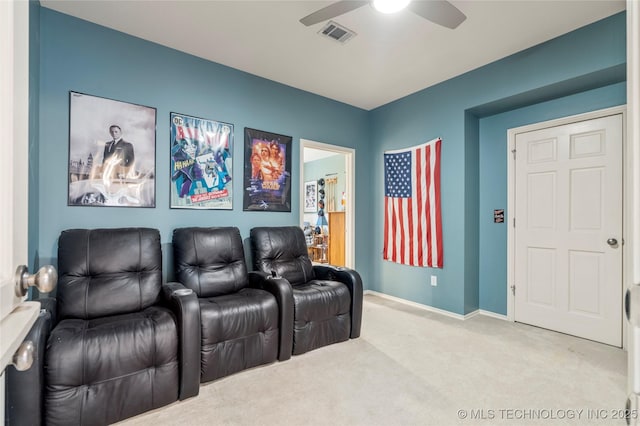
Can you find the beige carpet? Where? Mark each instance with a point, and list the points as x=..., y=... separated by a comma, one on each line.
x=413, y=367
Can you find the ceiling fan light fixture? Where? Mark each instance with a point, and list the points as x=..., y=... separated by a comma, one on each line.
x=390, y=6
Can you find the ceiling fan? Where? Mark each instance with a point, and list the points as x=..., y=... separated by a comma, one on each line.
x=440, y=12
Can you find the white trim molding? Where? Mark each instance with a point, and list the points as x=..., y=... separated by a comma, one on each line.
x=492, y=315
x=434, y=310
x=631, y=342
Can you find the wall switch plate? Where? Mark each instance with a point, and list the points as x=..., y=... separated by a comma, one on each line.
x=434, y=280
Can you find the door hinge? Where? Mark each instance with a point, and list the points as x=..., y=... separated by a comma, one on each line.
x=513, y=289
x=514, y=222
x=513, y=151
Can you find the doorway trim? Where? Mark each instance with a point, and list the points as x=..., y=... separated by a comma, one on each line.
x=627, y=168
x=350, y=166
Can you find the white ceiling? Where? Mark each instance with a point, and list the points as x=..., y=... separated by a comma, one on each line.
x=313, y=154
x=392, y=55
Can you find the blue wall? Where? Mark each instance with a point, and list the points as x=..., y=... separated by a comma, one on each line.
x=79, y=56
x=583, y=60
x=580, y=71
x=493, y=182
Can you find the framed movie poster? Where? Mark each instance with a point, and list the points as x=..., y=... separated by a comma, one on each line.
x=267, y=171
x=201, y=163
x=112, y=152
x=310, y=196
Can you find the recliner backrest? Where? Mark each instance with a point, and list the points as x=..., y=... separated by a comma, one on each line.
x=210, y=261
x=108, y=271
x=283, y=250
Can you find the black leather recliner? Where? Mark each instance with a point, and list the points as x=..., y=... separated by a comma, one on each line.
x=120, y=342
x=23, y=405
x=246, y=318
x=327, y=300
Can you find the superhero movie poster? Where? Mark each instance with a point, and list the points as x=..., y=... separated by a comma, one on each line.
x=201, y=163
x=112, y=153
x=267, y=171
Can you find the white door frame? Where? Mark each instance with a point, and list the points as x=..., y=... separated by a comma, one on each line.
x=14, y=121
x=350, y=186
x=627, y=168
x=633, y=134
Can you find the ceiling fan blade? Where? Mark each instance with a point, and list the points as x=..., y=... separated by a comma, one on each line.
x=440, y=12
x=331, y=11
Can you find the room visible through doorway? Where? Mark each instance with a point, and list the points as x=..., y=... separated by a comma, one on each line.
x=327, y=207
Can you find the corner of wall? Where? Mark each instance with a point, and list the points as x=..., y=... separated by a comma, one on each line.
x=471, y=212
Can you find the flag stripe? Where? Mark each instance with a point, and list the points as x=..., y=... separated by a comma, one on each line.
x=428, y=207
x=386, y=228
x=421, y=196
x=412, y=220
x=400, y=222
x=438, y=212
x=411, y=226
x=394, y=224
x=434, y=232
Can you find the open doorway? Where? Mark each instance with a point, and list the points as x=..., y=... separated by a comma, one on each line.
x=330, y=170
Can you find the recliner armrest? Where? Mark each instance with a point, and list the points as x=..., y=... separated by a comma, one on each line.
x=281, y=289
x=24, y=403
x=184, y=304
x=351, y=278
x=49, y=304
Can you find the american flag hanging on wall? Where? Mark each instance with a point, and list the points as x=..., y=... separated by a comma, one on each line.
x=412, y=218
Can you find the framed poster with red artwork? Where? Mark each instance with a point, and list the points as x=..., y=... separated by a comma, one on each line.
x=267, y=171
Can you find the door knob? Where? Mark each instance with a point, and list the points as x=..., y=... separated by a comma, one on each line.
x=44, y=280
x=612, y=242
x=23, y=357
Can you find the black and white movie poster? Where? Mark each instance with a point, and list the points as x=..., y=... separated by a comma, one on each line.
x=112, y=152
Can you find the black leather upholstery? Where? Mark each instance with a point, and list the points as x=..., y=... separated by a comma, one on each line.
x=239, y=320
x=281, y=290
x=279, y=250
x=106, y=369
x=121, y=346
x=184, y=303
x=210, y=261
x=352, y=280
x=327, y=300
x=107, y=272
x=22, y=405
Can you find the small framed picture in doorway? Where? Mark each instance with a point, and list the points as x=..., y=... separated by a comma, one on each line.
x=310, y=196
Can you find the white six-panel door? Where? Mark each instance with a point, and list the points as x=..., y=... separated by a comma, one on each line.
x=568, y=230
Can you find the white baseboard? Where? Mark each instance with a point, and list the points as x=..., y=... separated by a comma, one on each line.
x=493, y=315
x=436, y=310
x=415, y=304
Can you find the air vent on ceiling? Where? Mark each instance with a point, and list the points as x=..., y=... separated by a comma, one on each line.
x=336, y=32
